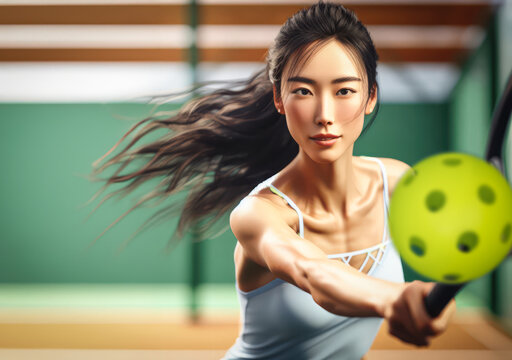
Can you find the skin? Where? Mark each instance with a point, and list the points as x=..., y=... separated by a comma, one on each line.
x=340, y=196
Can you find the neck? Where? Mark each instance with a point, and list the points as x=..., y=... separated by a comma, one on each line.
x=329, y=187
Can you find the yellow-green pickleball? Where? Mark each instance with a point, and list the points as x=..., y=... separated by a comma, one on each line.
x=450, y=217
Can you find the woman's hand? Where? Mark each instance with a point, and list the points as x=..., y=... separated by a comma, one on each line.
x=408, y=319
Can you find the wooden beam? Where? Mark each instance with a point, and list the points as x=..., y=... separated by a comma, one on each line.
x=94, y=14
x=423, y=55
x=238, y=14
x=419, y=14
x=93, y=55
x=388, y=55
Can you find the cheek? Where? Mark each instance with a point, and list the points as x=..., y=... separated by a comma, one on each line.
x=300, y=111
x=353, y=125
x=298, y=117
x=350, y=110
x=351, y=116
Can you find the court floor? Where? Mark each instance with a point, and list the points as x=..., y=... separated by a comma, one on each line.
x=470, y=336
x=52, y=325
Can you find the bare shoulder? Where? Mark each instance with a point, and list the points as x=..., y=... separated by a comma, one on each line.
x=267, y=239
x=395, y=169
x=252, y=215
x=259, y=215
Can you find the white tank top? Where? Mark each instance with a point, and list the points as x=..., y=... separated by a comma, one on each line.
x=280, y=321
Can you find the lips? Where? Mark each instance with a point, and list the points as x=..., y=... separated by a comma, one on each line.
x=325, y=140
x=324, y=137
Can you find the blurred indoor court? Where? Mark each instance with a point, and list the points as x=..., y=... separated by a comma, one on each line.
x=75, y=75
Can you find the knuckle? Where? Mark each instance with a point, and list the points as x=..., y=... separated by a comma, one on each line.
x=438, y=326
x=396, y=305
x=416, y=284
x=438, y=329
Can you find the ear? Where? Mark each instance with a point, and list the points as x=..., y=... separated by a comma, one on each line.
x=278, y=102
x=372, y=102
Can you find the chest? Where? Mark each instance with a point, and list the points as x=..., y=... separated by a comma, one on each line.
x=364, y=228
x=339, y=235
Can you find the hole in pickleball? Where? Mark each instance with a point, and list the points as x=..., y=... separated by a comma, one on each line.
x=452, y=161
x=467, y=241
x=417, y=245
x=451, y=277
x=435, y=200
x=409, y=176
x=486, y=194
x=505, y=234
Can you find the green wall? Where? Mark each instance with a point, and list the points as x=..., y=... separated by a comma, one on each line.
x=408, y=132
x=471, y=104
x=47, y=150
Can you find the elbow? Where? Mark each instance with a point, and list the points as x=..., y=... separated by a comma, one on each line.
x=304, y=273
x=314, y=279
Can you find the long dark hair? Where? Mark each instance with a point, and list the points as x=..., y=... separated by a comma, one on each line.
x=221, y=144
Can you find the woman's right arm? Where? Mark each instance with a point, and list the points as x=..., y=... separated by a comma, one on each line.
x=337, y=287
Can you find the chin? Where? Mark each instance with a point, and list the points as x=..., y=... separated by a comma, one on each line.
x=325, y=158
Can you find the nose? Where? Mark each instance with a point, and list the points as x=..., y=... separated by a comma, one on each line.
x=325, y=111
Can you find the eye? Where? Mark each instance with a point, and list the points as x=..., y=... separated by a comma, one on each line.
x=301, y=91
x=346, y=91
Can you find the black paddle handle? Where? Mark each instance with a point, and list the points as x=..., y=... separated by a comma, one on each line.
x=439, y=297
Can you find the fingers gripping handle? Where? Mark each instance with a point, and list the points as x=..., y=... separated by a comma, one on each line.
x=439, y=297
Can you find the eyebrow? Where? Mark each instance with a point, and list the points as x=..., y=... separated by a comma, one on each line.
x=312, y=82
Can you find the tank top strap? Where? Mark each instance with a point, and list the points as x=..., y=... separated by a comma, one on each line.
x=385, y=194
x=292, y=205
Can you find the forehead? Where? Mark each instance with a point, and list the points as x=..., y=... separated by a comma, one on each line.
x=328, y=61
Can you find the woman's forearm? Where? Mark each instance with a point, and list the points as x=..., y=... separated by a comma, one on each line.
x=342, y=290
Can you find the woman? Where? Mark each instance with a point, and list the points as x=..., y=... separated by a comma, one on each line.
x=316, y=272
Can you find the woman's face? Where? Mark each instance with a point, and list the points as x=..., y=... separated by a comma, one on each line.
x=325, y=103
